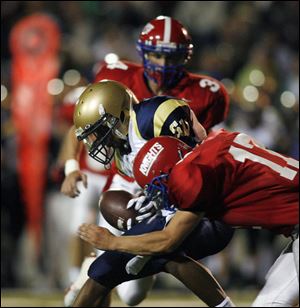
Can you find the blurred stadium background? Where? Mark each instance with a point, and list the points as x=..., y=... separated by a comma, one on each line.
x=251, y=46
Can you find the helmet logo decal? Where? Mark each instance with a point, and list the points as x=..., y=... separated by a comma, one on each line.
x=147, y=28
x=150, y=158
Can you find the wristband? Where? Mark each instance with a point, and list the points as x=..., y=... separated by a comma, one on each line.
x=71, y=165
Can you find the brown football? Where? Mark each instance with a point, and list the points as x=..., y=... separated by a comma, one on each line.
x=113, y=205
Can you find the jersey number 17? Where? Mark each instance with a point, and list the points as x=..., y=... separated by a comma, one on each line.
x=262, y=156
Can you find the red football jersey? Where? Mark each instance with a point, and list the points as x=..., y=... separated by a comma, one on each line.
x=230, y=177
x=207, y=97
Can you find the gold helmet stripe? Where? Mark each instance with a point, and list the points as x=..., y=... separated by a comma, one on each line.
x=134, y=123
x=163, y=112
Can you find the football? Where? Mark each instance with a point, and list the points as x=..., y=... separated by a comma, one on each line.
x=113, y=205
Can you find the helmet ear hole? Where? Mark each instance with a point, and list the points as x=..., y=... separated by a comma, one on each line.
x=122, y=116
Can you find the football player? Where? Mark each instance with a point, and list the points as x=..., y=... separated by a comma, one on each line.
x=111, y=122
x=83, y=207
x=165, y=47
x=228, y=177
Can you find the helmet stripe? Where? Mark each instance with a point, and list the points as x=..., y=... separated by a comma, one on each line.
x=167, y=31
x=163, y=112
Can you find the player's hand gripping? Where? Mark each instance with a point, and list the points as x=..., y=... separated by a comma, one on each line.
x=99, y=237
x=69, y=186
x=144, y=207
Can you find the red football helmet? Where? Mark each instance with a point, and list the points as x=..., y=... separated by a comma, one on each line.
x=157, y=157
x=168, y=36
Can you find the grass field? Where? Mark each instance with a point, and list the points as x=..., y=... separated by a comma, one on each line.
x=23, y=298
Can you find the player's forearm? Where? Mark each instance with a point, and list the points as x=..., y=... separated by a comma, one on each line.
x=157, y=242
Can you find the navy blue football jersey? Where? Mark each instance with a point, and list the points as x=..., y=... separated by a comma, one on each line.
x=153, y=117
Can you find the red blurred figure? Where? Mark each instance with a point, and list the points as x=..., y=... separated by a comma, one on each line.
x=34, y=43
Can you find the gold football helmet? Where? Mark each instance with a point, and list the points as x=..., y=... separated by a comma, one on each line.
x=101, y=118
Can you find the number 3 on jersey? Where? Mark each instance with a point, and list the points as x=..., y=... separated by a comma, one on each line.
x=263, y=156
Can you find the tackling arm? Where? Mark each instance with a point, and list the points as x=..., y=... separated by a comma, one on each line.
x=157, y=242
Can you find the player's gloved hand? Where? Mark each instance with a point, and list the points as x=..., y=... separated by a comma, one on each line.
x=143, y=206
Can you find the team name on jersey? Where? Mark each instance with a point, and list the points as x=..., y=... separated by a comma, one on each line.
x=150, y=158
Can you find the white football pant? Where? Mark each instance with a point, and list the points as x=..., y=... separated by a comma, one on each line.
x=282, y=281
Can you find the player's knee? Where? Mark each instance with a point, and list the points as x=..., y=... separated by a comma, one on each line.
x=134, y=292
x=132, y=298
x=282, y=297
x=101, y=270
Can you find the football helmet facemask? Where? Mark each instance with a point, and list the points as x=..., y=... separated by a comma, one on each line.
x=167, y=36
x=101, y=118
